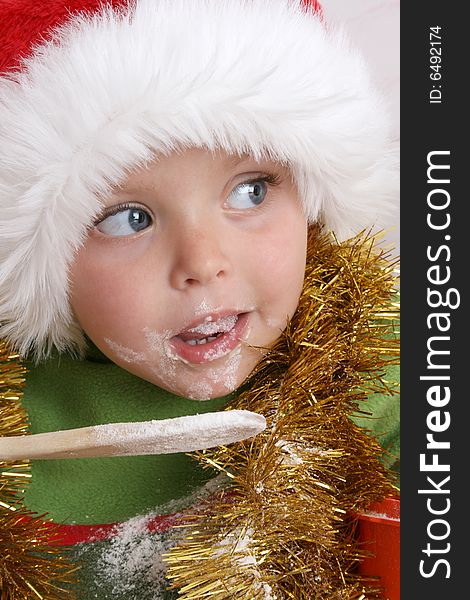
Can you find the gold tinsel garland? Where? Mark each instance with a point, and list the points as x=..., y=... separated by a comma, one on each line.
x=283, y=528
x=30, y=566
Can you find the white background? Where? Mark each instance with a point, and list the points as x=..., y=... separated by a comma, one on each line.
x=374, y=27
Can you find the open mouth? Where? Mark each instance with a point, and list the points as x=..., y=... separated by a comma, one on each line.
x=210, y=339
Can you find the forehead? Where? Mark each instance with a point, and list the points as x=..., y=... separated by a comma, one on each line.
x=200, y=163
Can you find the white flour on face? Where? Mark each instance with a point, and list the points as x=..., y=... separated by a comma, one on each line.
x=160, y=353
x=277, y=323
x=205, y=307
x=225, y=374
x=125, y=354
x=163, y=362
x=166, y=364
x=201, y=390
x=157, y=342
x=228, y=375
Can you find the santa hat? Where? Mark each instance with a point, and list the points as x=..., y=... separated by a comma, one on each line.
x=89, y=90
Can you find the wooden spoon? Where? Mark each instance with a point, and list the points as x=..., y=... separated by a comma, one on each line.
x=181, y=434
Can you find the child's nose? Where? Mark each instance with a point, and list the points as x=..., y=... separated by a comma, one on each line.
x=199, y=259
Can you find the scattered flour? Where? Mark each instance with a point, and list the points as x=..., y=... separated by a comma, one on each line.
x=259, y=488
x=238, y=546
x=291, y=457
x=204, y=307
x=292, y=452
x=379, y=515
x=130, y=565
x=134, y=552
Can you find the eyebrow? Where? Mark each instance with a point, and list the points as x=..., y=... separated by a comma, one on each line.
x=235, y=159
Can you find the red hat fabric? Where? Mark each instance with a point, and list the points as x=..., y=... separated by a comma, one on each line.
x=25, y=23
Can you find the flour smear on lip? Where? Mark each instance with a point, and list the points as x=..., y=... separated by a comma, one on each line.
x=217, y=339
x=209, y=330
x=210, y=326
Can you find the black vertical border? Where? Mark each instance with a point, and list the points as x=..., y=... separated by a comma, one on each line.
x=427, y=127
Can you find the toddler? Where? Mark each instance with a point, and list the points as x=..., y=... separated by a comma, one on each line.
x=164, y=169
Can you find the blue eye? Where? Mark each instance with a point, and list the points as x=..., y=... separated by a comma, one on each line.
x=124, y=221
x=248, y=195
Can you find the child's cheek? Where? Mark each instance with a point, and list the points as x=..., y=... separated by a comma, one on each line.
x=103, y=295
x=283, y=256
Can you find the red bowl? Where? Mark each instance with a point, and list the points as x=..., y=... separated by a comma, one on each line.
x=379, y=535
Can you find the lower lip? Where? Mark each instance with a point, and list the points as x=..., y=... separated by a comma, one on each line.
x=218, y=348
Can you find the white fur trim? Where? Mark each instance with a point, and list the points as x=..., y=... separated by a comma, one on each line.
x=256, y=76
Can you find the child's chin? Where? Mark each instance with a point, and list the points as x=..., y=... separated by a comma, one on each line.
x=202, y=390
x=206, y=382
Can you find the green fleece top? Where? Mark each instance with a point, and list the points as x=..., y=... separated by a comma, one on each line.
x=380, y=416
x=64, y=393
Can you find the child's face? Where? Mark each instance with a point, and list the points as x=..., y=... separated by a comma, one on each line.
x=194, y=268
